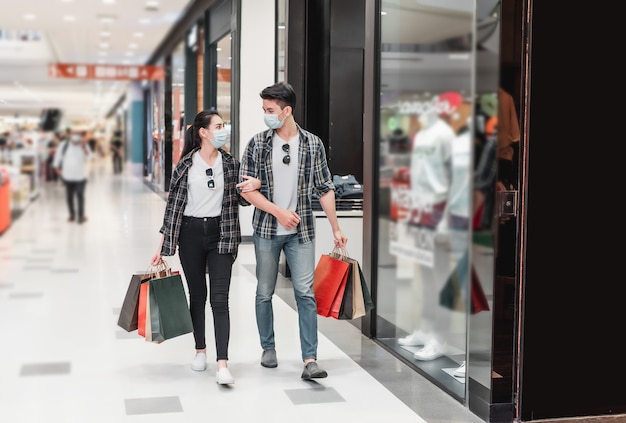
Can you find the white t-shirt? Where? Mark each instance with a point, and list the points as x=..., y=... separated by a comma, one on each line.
x=203, y=201
x=431, y=161
x=459, y=203
x=73, y=161
x=285, y=178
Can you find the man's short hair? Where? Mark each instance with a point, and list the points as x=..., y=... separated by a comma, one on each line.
x=282, y=93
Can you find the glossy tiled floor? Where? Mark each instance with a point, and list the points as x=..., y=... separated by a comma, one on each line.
x=64, y=359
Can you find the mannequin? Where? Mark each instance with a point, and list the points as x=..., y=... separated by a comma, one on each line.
x=430, y=184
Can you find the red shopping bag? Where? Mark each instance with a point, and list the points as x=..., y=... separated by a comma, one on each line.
x=329, y=284
x=142, y=308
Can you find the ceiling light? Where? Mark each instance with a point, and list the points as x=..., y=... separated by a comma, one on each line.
x=105, y=34
x=108, y=1
x=144, y=21
x=152, y=6
x=30, y=17
x=69, y=18
x=133, y=45
x=138, y=34
x=103, y=45
x=107, y=18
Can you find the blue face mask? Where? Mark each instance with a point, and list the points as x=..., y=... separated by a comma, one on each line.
x=220, y=138
x=272, y=121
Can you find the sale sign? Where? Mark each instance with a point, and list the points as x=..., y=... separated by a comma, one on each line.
x=105, y=72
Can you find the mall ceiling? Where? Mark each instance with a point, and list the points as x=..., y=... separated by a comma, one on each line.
x=36, y=33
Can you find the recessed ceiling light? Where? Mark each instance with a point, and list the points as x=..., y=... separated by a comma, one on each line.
x=30, y=17
x=144, y=21
x=138, y=34
x=108, y=1
x=69, y=18
x=106, y=18
x=105, y=34
x=133, y=45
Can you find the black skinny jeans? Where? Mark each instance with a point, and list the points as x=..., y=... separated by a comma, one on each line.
x=198, y=249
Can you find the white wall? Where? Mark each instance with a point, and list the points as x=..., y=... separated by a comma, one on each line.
x=257, y=71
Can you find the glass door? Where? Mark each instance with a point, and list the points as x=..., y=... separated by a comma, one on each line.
x=425, y=185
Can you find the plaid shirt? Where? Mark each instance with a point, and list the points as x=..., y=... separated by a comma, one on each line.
x=313, y=176
x=230, y=231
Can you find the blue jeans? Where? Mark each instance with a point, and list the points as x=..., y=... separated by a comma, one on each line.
x=301, y=261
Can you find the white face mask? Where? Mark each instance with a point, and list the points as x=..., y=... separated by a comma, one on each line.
x=272, y=121
x=220, y=137
x=75, y=138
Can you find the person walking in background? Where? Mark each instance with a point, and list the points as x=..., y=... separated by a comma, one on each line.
x=202, y=219
x=290, y=163
x=117, y=151
x=70, y=162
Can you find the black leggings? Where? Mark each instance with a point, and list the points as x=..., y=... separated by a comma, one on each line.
x=197, y=251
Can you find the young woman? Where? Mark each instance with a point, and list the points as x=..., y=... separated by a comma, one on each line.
x=202, y=219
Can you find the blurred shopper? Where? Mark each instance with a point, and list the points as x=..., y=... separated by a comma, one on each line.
x=291, y=162
x=202, y=219
x=117, y=151
x=51, y=149
x=70, y=163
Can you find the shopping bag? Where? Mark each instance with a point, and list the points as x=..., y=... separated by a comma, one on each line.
x=128, y=314
x=329, y=284
x=142, y=308
x=127, y=319
x=356, y=293
x=479, y=299
x=169, y=314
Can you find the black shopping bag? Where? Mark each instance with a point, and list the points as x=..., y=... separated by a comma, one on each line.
x=128, y=318
x=169, y=310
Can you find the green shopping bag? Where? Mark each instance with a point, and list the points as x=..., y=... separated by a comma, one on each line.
x=169, y=310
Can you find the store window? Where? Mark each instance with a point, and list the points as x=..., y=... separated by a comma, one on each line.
x=281, y=34
x=223, y=72
x=426, y=106
x=178, y=101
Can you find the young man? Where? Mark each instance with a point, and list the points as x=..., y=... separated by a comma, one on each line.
x=291, y=164
x=70, y=163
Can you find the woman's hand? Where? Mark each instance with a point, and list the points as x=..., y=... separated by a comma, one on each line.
x=156, y=259
x=250, y=184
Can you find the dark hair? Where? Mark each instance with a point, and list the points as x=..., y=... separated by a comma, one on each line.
x=282, y=93
x=192, y=135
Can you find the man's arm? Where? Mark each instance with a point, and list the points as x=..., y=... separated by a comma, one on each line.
x=327, y=201
x=287, y=218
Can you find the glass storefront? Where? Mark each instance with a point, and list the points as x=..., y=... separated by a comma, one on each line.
x=178, y=102
x=425, y=185
x=223, y=72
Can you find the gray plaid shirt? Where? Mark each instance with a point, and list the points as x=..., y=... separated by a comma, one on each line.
x=313, y=176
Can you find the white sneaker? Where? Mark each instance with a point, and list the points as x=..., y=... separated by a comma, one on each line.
x=224, y=377
x=460, y=371
x=199, y=362
x=416, y=338
x=430, y=351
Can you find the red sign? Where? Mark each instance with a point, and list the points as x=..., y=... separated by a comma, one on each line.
x=106, y=72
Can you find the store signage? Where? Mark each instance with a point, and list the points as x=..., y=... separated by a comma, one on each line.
x=105, y=72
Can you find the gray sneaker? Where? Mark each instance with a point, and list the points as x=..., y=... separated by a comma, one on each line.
x=268, y=359
x=312, y=371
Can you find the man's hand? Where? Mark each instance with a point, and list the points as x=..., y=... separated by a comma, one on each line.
x=289, y=219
